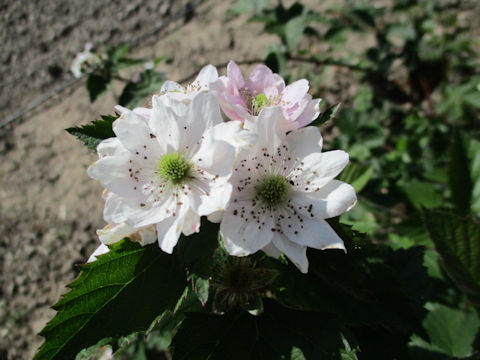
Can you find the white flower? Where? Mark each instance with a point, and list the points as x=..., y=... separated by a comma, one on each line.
x=283, y=189
x=168, y=170
x=84, y=60
x=174, y=90
x=115, y=232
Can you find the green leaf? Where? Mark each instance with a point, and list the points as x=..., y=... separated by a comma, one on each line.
x=92, y=134
x=474, y=160
x=421, y=194
x=196, y=251
x=356, y=175
x=451, y=331
x=367, y=285
x=457, y=240
x=96, y=85
x=327, y=115
x=120, y=293
x=244, y=6
x=275, y=334
x=135, y=93
x=459, y=175
x=294, y=29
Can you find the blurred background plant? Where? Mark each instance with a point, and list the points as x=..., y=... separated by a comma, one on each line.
x=408, y=76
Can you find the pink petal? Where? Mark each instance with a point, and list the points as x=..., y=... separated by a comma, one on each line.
x=235, y=75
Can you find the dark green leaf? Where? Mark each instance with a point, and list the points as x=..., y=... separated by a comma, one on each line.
x=459, y=175
x=474, y=161
x=96, y=85
x=92, y=134
x=356, y=175
x=135, y=93
x=451, y=331
x=116, y=295
x=327, y=115
x=422, y=194
x=196, y=251
x=278, y=333
x=366, y=286
x=457, y=240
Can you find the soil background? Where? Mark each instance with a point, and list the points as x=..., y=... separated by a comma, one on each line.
x=49, y=208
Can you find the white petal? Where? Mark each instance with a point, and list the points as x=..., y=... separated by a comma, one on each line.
x=203, y=113
x=102, y=249
x=216, y=216
x=191, y=223
x=331, y=200
x=271, y=128
x=163, y=123
x=242, y=234
x=168, y=232
x=169, y=85
x=207, y=75
x=305, y=141
x=113, y=173
x=111, y=146
x=296, y=253
x=318, y=169
x=114, y=232
x=135, y=135
x=272, y=250
x=313, y=233
x=216, y=199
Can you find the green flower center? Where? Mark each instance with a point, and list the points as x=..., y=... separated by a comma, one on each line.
x=273, y=190
x=174, y=168
x=258, y=102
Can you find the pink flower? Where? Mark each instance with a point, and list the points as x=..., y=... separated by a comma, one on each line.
x=243, y=100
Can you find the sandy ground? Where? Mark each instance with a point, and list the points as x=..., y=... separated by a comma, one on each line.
x=49, y=208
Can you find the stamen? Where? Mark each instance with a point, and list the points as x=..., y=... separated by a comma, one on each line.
x=273, y=190
x=174, y=168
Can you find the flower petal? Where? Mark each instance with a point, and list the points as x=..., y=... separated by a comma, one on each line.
x=133, y=132
x=207, y=75
x=305, y=141
x=235, y=75
x=243, y=235
x=331, y=200
x=313, y=233
x=318, y=169
x=296, y=253
x=295, y=92
x=102, y=249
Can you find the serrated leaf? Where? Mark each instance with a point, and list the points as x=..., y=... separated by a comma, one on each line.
x=272, y=335
x=457, y=240
x=367, y=286
x=200, y=288
x=450, y=331
x=327, y=115
x=135, y=93
x=421, y=194
x=356, y=175
x=96, y=85
x=116, y=295
x=459, y=175
x=92, y=134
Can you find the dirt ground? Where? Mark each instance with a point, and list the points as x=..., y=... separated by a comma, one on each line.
x=49, y=208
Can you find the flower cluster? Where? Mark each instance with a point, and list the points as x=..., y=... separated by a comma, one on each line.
x=236, y=151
